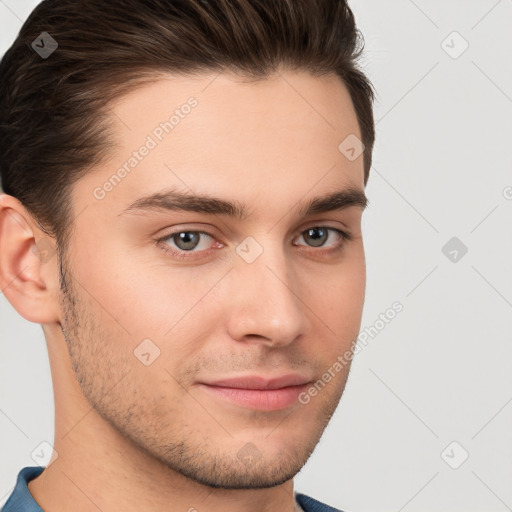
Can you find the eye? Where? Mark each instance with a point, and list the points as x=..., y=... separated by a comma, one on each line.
x=317, y=236
x=185, y=242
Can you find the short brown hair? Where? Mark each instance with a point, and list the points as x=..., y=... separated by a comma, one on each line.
x=54, y=111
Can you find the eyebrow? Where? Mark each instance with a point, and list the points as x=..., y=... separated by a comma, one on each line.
x=174, y=200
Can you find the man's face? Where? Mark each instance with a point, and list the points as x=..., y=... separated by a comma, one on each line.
x=265, y=295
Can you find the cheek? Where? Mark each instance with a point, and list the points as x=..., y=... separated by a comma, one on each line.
x=165, y=311
x=339, y=300
x=145, y=297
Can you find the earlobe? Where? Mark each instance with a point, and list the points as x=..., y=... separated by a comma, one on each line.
x=27, y=278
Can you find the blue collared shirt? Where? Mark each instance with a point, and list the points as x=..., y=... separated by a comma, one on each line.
x=22, y=501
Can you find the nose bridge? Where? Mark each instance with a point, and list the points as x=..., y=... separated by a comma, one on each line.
x=267, y=300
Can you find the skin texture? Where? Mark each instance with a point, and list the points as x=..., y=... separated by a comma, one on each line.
x=134, y=437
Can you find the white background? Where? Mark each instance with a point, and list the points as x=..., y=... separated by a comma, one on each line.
x=441, y=370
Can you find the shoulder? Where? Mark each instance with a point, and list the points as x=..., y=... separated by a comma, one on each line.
x=311, y=505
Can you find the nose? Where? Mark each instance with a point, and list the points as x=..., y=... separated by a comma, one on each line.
x=266, y=303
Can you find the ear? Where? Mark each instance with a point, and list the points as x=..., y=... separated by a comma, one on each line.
x=28, y=264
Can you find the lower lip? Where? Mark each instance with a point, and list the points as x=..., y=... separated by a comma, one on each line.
x=261, y=399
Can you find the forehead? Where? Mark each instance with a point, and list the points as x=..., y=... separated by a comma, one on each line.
x=215, y=134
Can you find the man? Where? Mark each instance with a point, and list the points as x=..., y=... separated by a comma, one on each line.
x=183, y=190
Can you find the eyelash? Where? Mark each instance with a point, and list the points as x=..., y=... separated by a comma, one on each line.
x=181, y=254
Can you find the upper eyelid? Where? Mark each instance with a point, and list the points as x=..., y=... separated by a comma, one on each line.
x=300, y=231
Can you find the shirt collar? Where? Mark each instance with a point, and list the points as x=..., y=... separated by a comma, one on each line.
x=21, y=499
